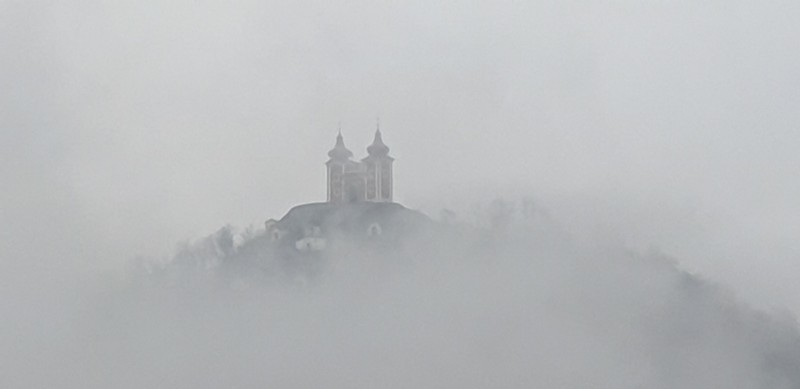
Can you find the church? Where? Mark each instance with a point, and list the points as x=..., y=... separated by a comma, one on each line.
x=360, y=205
x=367, y=180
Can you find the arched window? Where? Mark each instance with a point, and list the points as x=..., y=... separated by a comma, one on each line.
x=374, y=230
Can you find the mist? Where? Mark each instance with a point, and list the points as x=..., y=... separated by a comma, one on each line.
x=658, y=140
x=515, y=302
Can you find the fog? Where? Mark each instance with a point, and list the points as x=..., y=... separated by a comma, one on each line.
x=516, y=303
x=659, y=139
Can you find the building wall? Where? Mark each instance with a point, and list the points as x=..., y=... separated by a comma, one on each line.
x=350, y=181
x=335, y=182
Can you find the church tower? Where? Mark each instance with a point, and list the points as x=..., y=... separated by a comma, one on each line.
x=378, y=165
x=337, y=164
x=369, y=180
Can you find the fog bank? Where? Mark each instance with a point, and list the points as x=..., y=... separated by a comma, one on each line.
x=515, y=303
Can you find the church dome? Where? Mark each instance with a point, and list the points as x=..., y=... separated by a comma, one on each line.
x=340, y=152
x=378, y=148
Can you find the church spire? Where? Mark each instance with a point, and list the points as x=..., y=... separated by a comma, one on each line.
x=339, y=151
x=378, y=148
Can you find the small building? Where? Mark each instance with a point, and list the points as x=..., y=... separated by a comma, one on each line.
x=367, y=180
x=359, y=206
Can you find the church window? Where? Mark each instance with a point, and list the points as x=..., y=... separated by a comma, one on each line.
x=374, y=230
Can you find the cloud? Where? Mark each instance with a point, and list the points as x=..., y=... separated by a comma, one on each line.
x=525, y=305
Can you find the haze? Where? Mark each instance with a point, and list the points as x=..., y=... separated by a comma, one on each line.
x=128, y=127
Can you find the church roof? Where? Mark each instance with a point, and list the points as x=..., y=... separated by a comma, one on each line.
x=339, y=151
x=378, y=148
x=351, y=218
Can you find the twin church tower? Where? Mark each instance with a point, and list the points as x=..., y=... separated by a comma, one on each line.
x=367, y=180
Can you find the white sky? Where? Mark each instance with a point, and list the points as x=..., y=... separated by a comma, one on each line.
x=128, y=126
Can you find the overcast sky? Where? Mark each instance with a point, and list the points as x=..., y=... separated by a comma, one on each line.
x=129, y=126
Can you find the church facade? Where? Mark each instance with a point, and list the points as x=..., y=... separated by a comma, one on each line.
x=360, y=207
x=370, y=179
